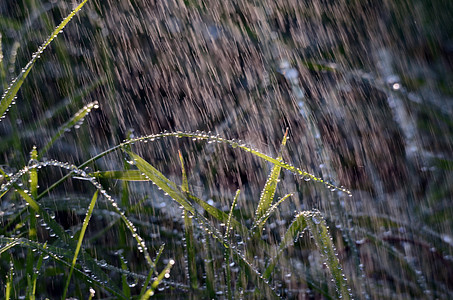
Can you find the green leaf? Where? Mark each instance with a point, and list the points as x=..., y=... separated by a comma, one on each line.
x=35, y=274
x=15, y=85
x=9, y=277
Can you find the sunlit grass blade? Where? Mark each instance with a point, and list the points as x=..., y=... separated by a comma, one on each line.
x=79, y=242
x=9, y=280
x=74, y=121
x=151, y=272
x=268, y=192
x=261, y=221
x=9, y=245
x=11, y=92
x=32, y=232
x=230, y=215
x=161, y=181
x=188, y=230
x=235, y=144
x=36, y=273
x=34, y=173
x=164, y=274
x=176, y=194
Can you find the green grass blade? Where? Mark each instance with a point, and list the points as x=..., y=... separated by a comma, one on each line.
x=79, y=243
x=176, y=194
x=11, y=92
x=227, y=252
x=230, y=215
x=75, y=120
x=9, y=245
x=208, y=266
x=267, y=195
x=221, y=216
x=34, y=173
x=164, y=274
x=36, y=273
x=293, y=232
x=128, y=175
x=161, y=181
x=9, y=280
x=188, y=230
x=125, y=284
x=260, y=223
x=74, y=170
x=150, y=273
x=32, y=232
x=235, y=144
x=318, y=229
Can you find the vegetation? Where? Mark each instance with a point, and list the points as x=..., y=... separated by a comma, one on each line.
x=83, y=230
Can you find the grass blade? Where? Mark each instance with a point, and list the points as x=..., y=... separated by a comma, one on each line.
x=260, y=223
x=79, y=243
x=188, y=231
x=227, y=252
x=318, y=229
x=74, y=121
x=32, y=233
x=9, y=280
x=35, y=274
x=208, y=266
x=230, y=215
x=164, y=274
x=150, y=274
x=293, y=232
x=176, y=194
x=11, y=92
x=267, y=195
x=161, y=181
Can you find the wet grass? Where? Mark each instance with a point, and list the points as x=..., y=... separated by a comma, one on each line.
x=102, y=239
